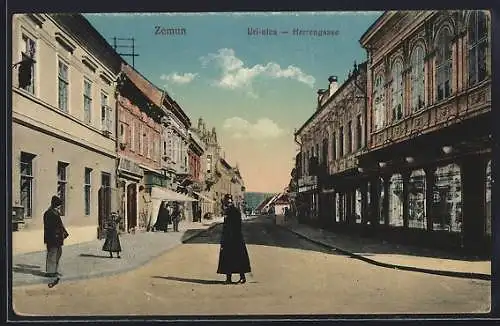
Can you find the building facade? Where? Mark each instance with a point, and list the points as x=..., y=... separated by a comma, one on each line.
x=421, y=172
x=331, y=141
x=138, y=145
x=66, y=112
x=429, y=136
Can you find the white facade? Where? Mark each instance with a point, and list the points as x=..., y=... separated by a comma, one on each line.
x=58, y=125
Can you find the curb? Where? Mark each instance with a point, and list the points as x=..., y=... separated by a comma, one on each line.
x=119, y=271
x=477, y=276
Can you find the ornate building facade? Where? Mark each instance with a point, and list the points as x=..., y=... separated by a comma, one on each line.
x=416, y=165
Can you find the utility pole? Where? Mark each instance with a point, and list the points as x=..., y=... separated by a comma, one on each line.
x=130, y=44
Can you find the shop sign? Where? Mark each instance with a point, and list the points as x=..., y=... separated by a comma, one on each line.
x=127, y=165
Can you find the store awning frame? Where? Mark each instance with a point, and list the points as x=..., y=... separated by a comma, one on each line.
x=165, y=194
x=204, y=197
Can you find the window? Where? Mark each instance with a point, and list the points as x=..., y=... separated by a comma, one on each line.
x=341, y=142
x=133, y=136
x=87, y=101
x=417, y=78
x=106, y=113
x=138, y=128
x=397, y=90
x=396, y=200
x=378, y=103
x=334, y=147
x=165, y=148
x=87, y=190
x=443, y=64
x=478, y=46
x=416, y=200
x=28, y=51
x=124, y=133
x=105, y=180
x=349, y=137
x=147, y=147
x=359, y=132
x=61, y=184
x=324, y=152
x=141, y=140
x=209, y=163
x=26, y=185
x=63, y=86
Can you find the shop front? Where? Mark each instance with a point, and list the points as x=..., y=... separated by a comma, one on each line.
x=130, y=177
x=308, y=199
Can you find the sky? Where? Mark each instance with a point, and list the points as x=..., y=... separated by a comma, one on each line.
x=256, y=90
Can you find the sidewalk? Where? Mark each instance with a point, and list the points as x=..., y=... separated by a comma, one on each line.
x=404, y=257
x=86, y=260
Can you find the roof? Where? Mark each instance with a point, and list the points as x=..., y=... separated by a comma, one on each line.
x=361, y=66
x=369, y=32
x=145, y=86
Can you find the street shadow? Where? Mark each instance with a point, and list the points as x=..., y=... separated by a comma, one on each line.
x=28, y=269
x=94, y=256
x=263, y=231
x=189, y=233
x=189, y=280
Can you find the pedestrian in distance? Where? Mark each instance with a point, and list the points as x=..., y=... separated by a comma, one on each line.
x=233, y=254
x=54, y=234
x=176, y=216
x=112, y=242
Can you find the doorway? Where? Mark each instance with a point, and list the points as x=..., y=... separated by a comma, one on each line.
x=131, y=206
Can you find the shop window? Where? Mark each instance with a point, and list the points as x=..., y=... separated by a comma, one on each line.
x=396, y=200
x=381, y=202
x=337, y=206
x=87, y=190
x=62, y=174
x=357, y=207
x=488, y=199
x=447, y=195
x=416, y=200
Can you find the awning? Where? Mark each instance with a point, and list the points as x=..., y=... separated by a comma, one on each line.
x=169, y=195
x=150, y=169
x=204, y=197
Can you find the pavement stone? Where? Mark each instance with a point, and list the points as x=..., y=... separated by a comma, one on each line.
x=86, y=260
x=404, y=257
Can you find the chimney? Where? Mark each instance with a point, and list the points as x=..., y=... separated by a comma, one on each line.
x=333, y=85
x=320, y=95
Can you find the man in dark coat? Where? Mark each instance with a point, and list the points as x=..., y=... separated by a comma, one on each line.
x=163, y=218
x=176, y=216
x=53, y=235
x=233, y=255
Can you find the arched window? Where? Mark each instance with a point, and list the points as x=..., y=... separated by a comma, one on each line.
x=324, y=152
x=478, y=46
x=378, y=103
x=417, y=78
x=357, y=206
x=443, y=64
x=397, y=90
x=447, y=204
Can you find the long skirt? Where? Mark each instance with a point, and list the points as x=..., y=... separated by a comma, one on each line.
x=53, y=257
x=234, y=259
x=112, y=242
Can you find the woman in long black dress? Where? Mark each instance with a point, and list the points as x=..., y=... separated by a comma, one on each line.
x=233, y=255
x=163, y=218
x=112, y=242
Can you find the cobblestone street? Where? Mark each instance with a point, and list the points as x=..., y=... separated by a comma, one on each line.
x=290, y=275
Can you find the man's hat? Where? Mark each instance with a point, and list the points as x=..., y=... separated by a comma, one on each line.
x=228, y=197
x=56, y=201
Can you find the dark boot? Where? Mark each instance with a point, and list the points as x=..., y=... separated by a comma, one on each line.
x=228, y=279
x=242, y=279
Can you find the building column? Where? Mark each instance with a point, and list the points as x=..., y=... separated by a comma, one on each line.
x=364, y=203
x=430, y=180
x=375, y=200
x=473, y=175
x=406, y=206
x=385, y=204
